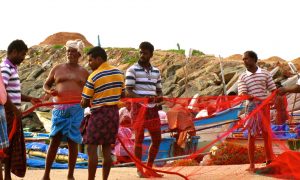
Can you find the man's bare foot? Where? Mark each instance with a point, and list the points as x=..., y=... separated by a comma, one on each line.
x=45, y=178
x=141, y=174
x=7, y=177
x=251, y=169
x=152, y=173
x=71, y=178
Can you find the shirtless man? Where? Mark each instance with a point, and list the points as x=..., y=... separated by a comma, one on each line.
x=69, y=79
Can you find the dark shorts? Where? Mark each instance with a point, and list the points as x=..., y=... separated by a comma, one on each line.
x=145, y=117
x=102, y=126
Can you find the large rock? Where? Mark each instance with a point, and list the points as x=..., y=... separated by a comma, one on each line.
x=202, y=73
x=61, y=38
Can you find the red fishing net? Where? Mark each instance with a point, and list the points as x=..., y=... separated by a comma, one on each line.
x=164, y=136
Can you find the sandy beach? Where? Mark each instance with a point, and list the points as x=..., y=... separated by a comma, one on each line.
x=231, y=172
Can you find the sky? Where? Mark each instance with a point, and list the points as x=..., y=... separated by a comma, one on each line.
x=218, y=27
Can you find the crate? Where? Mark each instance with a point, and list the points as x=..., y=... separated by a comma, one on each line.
x=165, y=148
x=191, y=145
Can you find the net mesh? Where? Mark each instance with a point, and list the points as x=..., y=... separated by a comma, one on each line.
x=165, y=135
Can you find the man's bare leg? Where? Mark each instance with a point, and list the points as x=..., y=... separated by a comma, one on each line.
x=266, y=133
x=153, y=150
x=1, y=174
x=138, y=150
x=93, y=161
x=268, y=146
x=73, y=152
x=54, y=144
x=251, y=150
x=107, y=161
x=7, y=168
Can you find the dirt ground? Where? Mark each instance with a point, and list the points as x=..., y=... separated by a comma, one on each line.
x=232, y=172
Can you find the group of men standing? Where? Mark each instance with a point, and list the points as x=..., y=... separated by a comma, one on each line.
x=101, y=91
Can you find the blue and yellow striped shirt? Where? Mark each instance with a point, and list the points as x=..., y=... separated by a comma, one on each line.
x=104, y=86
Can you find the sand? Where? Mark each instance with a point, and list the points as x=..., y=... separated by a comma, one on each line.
x=231, y=172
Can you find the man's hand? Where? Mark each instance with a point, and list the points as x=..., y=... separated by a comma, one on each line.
x=35, y=101
x=281, y=91
x=250, y=97
x=52, y=92
x=18, y=114
x=151, y=99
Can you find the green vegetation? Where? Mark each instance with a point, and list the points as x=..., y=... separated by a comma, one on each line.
x=57, y=46
x=197, y=53
x=127, y=49
x=86, y=49
x=130, y=58
x=181, y=51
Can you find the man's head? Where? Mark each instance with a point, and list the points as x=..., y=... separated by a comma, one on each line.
x=16, y=51
x=74, y=50
x=250, y=59
x=97, y=56
x=146, y=51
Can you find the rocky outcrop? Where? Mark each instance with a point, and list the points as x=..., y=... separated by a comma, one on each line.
x=61, y=38
x=181, y=78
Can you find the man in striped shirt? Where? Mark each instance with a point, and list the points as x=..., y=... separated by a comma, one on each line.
x=16, y=161
x=256, y=83
x=144, y=81
x=102, y=92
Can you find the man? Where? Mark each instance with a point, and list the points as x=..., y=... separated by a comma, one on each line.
x=102, y=92
x=16, y=160
x=256, y=83
x=280, y=105
x=69, y=79
x=144, y=81
x=4, y=142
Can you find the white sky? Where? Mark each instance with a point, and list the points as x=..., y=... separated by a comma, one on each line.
x=219, y=27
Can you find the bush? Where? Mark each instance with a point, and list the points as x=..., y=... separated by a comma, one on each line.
x=57, y=46
x=197, y=53
x=86, y=49
x=181, y=51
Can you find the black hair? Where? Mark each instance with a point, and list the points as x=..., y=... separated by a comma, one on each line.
x=97, y=51
x=232, y=93
x=146, y=45
x=278, y=84
x=252, y=55
x=17, y=45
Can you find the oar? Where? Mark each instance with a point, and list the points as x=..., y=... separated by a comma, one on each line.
x=222, y=73
x=294, y=71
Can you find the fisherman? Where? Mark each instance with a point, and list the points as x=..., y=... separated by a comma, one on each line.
x=144, y=81
x=65, y=82
x=102, y=92
x=16, y=152
x=256, y=83
x=280, y=106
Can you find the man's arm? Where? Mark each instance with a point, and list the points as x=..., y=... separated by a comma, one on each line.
x=84, y=103
x=159, y=97
x=292, y=89
x=33, y=100
x=131, y=94
x=49, y=82
x=10, y=105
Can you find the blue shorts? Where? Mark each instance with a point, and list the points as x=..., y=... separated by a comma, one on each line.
x=67, y=122
x=4, y=143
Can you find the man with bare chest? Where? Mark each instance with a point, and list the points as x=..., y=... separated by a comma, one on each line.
x=65, y=83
